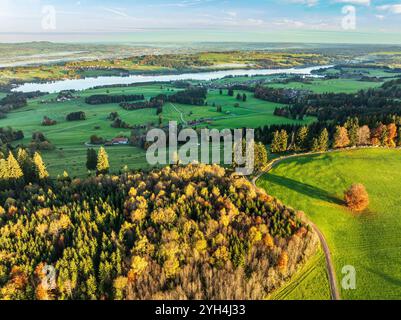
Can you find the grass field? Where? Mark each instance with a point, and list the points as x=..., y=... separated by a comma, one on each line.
x=303, y=284
x=69, y=137
x=369, y=241
x=332, y=85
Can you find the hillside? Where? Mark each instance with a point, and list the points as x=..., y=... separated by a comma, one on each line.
x=190, y=232
x=369, y=241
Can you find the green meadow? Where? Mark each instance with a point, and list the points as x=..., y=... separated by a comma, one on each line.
x=370, y=241
x=332, y=85
x=309, y=283
x=69, y=138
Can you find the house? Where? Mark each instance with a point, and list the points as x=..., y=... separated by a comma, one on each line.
x=119, y=141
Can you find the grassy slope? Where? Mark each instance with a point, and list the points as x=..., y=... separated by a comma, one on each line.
x=71, y=136
x=333, y=85
x=369, y=241
x=303, y=284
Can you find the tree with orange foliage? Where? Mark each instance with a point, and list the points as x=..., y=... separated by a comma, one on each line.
x=356, y=197
x=283, y=262
x=341, y=139
x=391, y=135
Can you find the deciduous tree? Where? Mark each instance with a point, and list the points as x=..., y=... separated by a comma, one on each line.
x=40, y=167
x=356, y=197
x=341, y=139
x=103, y=165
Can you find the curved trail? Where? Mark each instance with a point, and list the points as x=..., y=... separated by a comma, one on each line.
x=180, y=112
x=334, y=292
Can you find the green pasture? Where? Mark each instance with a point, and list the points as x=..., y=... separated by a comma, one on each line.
x=370, y=241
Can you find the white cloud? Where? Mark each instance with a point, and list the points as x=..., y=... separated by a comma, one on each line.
x=309, y=3
x=355, y=2
x=391, y=8
x=231, y=13
x=115, y=11
x=289, y=23
x=380, y=16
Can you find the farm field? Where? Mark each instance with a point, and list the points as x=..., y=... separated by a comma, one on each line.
x=69, y=137
x=332, y=85
x=369, y=241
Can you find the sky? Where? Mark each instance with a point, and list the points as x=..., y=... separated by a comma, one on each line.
x=338, y=21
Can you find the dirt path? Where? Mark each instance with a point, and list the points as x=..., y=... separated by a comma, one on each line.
x=334, y=292
x=180, y=112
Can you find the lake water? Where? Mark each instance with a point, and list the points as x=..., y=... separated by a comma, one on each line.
x=87, y=83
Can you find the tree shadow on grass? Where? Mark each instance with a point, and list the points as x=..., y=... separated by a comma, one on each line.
x=385, y=276
x=303, y=188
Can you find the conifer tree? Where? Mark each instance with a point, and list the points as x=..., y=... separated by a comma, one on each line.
x=275, y=145
x=27, y=165
x=383, y=136
x=323, y=140
x=352, y=125
x=283, y=140
x=13, y=168
x=22, y=156
x=91, y=159
x=399, y=137
x=3, y=169
x=315, y=147
x=103, y=165
x=261, y=157
x=301, y=138
x=40, y=167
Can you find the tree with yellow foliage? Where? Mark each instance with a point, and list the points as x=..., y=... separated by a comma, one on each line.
x=3, y=169
x=13, y=168
x=40, y=167
x=103, y=165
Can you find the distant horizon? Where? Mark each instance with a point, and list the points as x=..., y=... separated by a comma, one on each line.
x=147, y=37
x=301, y=21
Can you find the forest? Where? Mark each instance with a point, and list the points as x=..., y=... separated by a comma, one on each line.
x=193, y=232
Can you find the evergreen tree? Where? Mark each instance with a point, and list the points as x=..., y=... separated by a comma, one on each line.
x=26, y=165
x=13, y=168
x=323, y=140
x=283, y=140
x=103, y=165
x=275, y=145
x=352, y=125
x=383, y=136
x=91, y=159
x=3, y=169
x=231, y=92
x=398, y=143
x=301, y=138
x=22, y=156
x=244, y=97
x=315, y=147
x=261, y=157
x=40, y=166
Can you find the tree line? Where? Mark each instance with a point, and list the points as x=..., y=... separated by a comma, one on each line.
x=350, y=134
x=105, y=98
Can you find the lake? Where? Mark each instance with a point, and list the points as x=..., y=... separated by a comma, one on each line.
x=87, y=83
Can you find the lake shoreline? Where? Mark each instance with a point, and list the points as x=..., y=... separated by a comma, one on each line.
x=132, y=79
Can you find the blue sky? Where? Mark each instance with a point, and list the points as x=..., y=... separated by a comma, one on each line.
x=204, y=20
